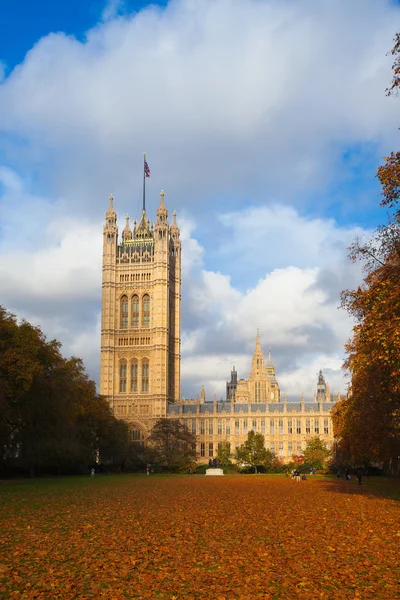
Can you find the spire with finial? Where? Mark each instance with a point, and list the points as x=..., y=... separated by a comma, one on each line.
x=258, y=356
x=162, y=213
x=258, y=342
x=111, y=218
x=127, y=233
x=269, y=356
x=111, y=211
x=175, y=232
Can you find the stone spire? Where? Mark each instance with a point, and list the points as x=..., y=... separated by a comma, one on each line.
x=110, y=226
x=322, y=393
x=258, y=341
x=162, y=213
x=111, y=211
x=258, y=356
x=127, y=233
x=175, y=232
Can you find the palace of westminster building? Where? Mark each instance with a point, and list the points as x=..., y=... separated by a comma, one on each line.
x=140, y=353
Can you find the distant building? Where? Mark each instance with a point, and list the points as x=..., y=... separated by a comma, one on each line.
x=140, y=353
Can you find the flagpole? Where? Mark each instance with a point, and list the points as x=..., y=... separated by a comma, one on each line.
x=144, y=182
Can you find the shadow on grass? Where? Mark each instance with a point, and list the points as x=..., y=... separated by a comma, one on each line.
x=387, y=487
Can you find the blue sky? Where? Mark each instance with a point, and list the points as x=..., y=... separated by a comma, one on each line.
x=74, y=17
x=264, y=122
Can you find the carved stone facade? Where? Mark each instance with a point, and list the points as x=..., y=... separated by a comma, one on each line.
x=140, y=353
x=255, y=404
x=140, y=330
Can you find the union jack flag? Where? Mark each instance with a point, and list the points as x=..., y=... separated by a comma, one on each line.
x=146, y=169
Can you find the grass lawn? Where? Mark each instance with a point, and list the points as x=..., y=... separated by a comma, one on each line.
x=198, y=537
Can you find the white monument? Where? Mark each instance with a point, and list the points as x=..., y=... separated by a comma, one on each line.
x=214, y=472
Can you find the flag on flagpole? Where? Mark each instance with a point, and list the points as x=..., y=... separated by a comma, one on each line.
x=146, y=169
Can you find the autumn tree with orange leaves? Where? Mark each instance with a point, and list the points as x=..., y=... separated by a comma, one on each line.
x=367, y=423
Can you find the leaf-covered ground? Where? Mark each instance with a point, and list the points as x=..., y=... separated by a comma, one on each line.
x=188, y=537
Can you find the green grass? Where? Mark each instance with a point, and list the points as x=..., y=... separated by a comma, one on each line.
x=385, y=486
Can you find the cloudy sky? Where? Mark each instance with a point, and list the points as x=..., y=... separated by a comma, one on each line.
x=264, y=121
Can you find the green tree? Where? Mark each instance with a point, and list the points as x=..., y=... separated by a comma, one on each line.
x=173, y=445
x=50, y=414
x=316, y=453
x=254, y=453
x=224, y=454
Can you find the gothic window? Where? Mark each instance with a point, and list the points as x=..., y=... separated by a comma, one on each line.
x=290, y=448
x=146, y=310
x=145, y=375
x=210, y=449
x=308, y=426
x=219, y=427
x=257, y=391
x=237, y=427
x=263, y=426
x=136, y=435
x=281, y=426
x=135, y=311
x=245, y=426
x=122, y=376
x=194, y=426
x=228, y=427
x=124, y=312
x=254, y=427
x=134, y=376
x=289, y=426
x=202, y=449
x=272, y=447
x=280, y=448
x=272, y=427
x=326, y=426
x=298, y=426
x=210, y=427
x=258, y=363
x=299, y=450
x=316, y=425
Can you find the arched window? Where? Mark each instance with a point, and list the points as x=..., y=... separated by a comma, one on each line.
x=135, y=311
x=145, y=375
x=122, y=376
x=134, y=376
x=146, y=310
x=124, y=312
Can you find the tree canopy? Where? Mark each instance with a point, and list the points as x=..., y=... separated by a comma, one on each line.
x=367, y=423
x=50, y=414
x=254, y=453
x=316, y=453
x=172, y=446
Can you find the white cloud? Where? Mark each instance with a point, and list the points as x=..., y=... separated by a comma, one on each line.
x=238, y=103
x=238, y=96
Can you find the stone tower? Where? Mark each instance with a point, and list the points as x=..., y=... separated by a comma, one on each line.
x=140, y=328
x=322, y=393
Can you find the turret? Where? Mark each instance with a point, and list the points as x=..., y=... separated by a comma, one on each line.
x=110, y=231
x=161, y=224
x=175, y=231
x=127, y=233
x=258, y=356
x=322, y=393
x=231, y=386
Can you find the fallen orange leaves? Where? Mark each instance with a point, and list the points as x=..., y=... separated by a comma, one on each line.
x=197, y=537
